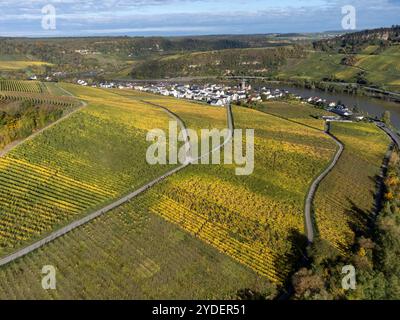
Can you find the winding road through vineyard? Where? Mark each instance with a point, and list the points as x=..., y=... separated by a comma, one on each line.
x=121, y=201
x=311, y=194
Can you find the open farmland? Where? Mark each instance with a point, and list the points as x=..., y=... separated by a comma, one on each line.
x=345, y=201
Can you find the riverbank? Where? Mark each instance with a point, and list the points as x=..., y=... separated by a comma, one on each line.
x=371, y=106
x=330, y=86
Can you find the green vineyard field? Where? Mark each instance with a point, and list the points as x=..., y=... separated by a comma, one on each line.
x=93, y=157
x=22, y=86
x=202, y=223
x=345, y=199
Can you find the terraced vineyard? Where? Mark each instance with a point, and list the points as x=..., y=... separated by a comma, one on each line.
x=301, y=113
x=258, y=219
x=22, y=86
x=35, y=197
x=139, y=251
x=92, y=153
x=36, y=98
x=380, y=69
x=256, y=222
x=23, y=113
x=130, y=253
x=344, y=208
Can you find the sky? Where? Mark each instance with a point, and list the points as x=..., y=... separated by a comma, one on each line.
x=34, y=18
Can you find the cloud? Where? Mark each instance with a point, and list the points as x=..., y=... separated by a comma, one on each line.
x=178, y=17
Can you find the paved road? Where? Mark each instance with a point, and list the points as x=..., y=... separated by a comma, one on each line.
x=189, y=159
x=314, y=186
x=110, y=207
x=390, y=133
x=311, y=194
x=381, y=180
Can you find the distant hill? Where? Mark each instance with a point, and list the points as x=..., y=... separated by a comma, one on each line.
x=108, y=56
x=357, y=41
x=254, y=61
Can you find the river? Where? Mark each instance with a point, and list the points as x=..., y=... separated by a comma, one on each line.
x=374, y=107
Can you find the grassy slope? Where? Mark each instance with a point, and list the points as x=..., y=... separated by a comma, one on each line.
x=382, y=69
x=274, y=197
x=345, y=199
x=315, y=67
x=54, y=89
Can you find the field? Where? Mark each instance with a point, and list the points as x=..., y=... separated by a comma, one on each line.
x=11, y=65
x=345, y=201
x=81, y=164
x=27, y=107
x=22, y=86
x=130, y=252
x=297, y=112
x=257, y=219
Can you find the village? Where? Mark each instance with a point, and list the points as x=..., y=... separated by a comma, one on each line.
x=222, y=95
x=213, y=94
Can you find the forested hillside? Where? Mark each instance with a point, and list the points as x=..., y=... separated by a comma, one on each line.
x=356, y=42
x=111, y=57
x=261, y=62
